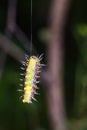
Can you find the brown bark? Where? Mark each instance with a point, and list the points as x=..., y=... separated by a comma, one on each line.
x=55, y=97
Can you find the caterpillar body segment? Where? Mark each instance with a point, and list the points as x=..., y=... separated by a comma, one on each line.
x=32, y=71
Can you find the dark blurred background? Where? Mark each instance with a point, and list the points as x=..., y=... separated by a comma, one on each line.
x=15, y=37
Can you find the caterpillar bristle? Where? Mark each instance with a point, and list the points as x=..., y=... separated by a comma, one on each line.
x=34, y=99
x=22, y=68
x=35, y=86
x=37, y=82
x=37, y=76
x=40, y=57
x=26, y=56
x=34, y=80
x=39, y=66
x=21, y=85
x=21, y=97
x=32, y=68
x=23, y=63
x=43, y=65
x=22, y=74
x=38, y=71
x=20, y=90
x=21, y=80
x=36, y=93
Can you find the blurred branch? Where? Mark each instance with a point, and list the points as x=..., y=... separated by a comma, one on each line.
x=11, y=28
x=23, y=38
x=7, y=46
x=10, y=48
x=11, y=17
x=55, y=97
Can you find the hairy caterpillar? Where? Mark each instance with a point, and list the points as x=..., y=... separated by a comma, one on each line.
x=32, y=69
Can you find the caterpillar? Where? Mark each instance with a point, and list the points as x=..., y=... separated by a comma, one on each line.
x=32, y=67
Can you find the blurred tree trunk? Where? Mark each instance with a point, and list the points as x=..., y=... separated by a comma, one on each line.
x=58, y=15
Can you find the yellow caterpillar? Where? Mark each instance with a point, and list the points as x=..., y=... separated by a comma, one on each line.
x=32, y=71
